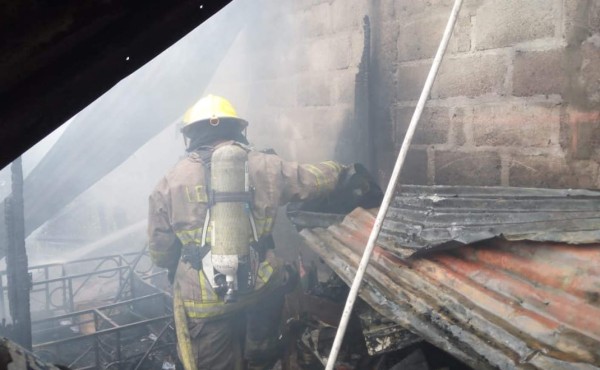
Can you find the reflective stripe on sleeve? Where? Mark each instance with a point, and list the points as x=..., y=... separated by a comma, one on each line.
x=154, y=253
x=318, y=175
x=333, y=165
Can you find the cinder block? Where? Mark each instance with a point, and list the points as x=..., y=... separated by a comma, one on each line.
x=457, y=135
x=411, y=79
x=409, y=9
x=516, y=125
x=471, y=76
x=581, y=18
x=540, y=72
x=385, y=10
x=357, y=47
x=473, y=168
x=590, y=70
x=414, y=170
x=582, y=132
x=319, y=125
x=308, y=133
x=419, y=38
x=330, y=53
x=351, y=140
x=314, y=90
x=343, y=86
x=594, y=17
x=575, y=17
x=348, y=14
x=461, y=37
x=508, y=22
x=385, y=165
x=432, y=128
x=470, y=6
x=386, y=44
x=552, y=172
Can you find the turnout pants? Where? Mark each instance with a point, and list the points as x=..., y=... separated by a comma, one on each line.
x=249, y=339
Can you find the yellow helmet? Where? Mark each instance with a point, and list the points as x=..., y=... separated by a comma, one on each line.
x=210, y=110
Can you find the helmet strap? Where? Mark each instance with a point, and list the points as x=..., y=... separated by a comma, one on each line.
x=186, y=142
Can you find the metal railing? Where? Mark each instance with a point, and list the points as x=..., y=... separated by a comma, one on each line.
x=104, y=351
x=58, y=289
x=88, y=331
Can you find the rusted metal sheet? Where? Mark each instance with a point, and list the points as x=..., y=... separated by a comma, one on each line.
x=497, y=304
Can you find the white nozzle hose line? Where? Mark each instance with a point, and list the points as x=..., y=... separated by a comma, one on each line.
x=362, y=267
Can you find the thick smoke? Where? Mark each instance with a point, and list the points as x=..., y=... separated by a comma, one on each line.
x=88, y=195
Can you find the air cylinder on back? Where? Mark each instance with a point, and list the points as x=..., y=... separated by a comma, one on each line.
x=231, y=228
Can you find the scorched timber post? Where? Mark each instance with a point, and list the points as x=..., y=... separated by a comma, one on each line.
x=18, y=279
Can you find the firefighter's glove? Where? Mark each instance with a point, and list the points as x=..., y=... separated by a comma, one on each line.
x=357, y=188
x=355, y=181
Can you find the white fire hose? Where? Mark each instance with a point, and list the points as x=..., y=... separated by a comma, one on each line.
x=360, y=272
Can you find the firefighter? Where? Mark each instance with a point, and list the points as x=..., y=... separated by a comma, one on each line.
x=227, y=299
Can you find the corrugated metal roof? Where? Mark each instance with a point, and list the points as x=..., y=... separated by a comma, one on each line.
x=499, y=304
x=422, y=218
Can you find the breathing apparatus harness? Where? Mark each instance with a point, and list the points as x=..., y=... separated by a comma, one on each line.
x=200, y=256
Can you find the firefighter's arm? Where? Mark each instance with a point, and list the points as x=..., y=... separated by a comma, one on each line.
x=329, y=187
x=164, y=246
x=309, y=181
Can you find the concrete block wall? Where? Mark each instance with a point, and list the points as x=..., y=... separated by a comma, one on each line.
x=516, y=101
x=292, y=73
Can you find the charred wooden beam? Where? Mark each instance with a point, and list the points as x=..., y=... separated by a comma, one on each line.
x=18, y=279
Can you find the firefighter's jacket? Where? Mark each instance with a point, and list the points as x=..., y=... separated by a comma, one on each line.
x=178, y=208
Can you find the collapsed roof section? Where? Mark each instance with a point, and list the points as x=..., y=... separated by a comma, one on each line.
x=498, y=303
